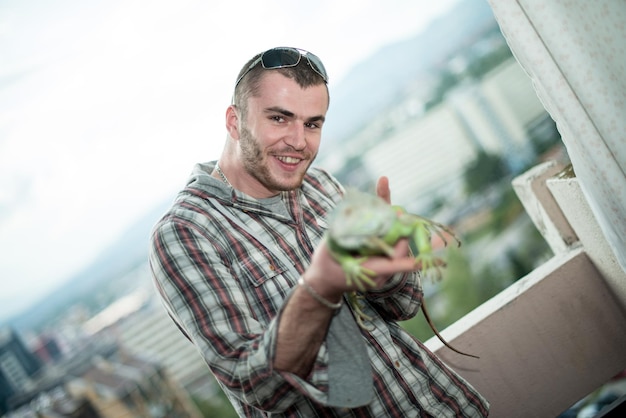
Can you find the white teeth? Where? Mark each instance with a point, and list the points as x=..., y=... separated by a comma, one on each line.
x=289, y=160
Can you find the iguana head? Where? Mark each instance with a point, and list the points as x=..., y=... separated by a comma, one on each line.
x=357, y=219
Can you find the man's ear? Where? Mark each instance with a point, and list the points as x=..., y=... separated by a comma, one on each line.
x=232, y=122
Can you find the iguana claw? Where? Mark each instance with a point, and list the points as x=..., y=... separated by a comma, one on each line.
x=354, y=300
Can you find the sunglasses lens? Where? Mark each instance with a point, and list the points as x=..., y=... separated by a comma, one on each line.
x=317, y=65
x=290, y=57
x=286, y=57
x=280, y=57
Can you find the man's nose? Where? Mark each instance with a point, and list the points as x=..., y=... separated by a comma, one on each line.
x=296, y=137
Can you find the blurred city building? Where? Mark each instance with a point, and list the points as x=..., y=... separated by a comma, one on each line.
x=102, y=381
x=425, y=148
x=139, y=323
x=18, y=366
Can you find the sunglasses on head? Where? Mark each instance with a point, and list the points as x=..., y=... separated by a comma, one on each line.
x=284, y=57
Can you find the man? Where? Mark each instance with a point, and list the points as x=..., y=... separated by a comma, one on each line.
x=242, y=268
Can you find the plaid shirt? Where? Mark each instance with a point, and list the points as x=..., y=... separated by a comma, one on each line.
x=225, y=290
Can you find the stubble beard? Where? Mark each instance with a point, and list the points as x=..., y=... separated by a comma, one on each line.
x=256, y=165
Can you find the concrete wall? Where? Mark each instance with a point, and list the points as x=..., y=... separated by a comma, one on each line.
x=557, y=334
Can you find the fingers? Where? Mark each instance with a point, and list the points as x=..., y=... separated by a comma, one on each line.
x=384, y=266
x=402, y=248
x=330, y=277
x=382, y=189
x=402, y=261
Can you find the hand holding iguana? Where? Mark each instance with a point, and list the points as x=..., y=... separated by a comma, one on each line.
x=365, y=225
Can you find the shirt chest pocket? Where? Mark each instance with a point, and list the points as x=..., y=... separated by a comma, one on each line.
x=266, y=284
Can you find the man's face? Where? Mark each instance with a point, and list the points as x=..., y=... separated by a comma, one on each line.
x=280, y=136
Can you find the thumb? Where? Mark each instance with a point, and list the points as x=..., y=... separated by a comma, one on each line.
x=382, y=189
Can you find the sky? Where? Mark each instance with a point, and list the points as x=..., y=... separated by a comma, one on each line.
x=106, y=105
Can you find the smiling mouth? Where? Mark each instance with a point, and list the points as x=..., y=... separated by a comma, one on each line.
x=289, y=160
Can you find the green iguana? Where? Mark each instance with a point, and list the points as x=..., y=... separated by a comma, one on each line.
x=364, y=225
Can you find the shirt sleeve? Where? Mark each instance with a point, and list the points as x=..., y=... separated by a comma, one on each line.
x=197, y=287
x=400, y=298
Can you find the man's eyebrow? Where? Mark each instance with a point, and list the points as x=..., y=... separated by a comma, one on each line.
x=319, y=118
x=276, y=109
x=290, y=114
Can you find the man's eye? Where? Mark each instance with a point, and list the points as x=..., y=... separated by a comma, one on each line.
x=312, y=125
x=278, y=118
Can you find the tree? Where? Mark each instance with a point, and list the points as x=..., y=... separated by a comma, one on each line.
x=485, y=170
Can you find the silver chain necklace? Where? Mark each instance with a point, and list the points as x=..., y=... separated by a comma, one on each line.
x=222, y=175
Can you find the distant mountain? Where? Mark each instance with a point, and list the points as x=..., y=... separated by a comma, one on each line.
x=369, y=88
x=128, y=252
x=374, y=84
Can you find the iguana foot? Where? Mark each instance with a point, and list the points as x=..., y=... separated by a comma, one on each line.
x=354, y=301
x=356, y=274
x=430, y=266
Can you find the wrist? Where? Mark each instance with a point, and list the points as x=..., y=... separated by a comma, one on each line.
x=331, y=303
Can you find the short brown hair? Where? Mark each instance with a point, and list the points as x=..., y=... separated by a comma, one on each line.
x=249, y=80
